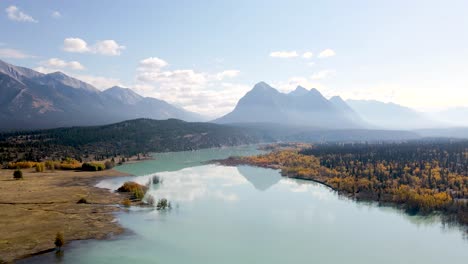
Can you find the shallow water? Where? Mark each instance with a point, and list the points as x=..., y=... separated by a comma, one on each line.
x=253, y=215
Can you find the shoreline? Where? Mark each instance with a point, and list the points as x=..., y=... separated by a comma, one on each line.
x=34, y=209
x=358, y=197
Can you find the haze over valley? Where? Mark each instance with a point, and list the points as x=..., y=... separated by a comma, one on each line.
x=33, y=100
x=245, y=131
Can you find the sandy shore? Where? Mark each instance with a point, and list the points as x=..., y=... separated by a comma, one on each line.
x=34, y=209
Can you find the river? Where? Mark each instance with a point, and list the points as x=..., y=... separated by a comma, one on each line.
x=253, y=215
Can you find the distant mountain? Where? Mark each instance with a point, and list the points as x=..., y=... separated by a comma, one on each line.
x=32, y=100
x=339, y=103
x=456, y=116
x=123, y=95
x=453, y=132
x=301, y=107
x=391, y=116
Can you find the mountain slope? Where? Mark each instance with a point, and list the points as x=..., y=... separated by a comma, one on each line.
x=390, y=115
x=33, y=100
x=264, y=104
x=339, y=103
x=456, y=116
x=127, y=138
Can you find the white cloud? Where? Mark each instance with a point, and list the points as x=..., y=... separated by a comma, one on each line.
x=105, y=47
x=15, y=14
x=99, y=82
x=153, y=63
x=284, y=54
x=13, y=54
x=56, y=14
x=75, y=45
x=327, y=53
x=108, y=47
x=307, y=55
x=227, y=74
x=58, y=63
x=201, y=92
x=322, y=74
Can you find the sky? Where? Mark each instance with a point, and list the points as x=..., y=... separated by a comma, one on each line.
x=205, y=55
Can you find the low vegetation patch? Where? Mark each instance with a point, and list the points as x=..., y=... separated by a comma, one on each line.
x=82, y=200
x=126, y=202
x=18, y=174
x=40, y=167
x=136, y=190
x=21, y=165
x=59, y=241
x=92, y=166
x=163, y=204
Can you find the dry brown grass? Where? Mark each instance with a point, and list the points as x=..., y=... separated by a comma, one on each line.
x=33, y=210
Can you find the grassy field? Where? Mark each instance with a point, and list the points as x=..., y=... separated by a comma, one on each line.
x=34, y=209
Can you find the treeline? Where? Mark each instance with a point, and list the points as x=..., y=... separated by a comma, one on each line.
x=421, y=176
x=64, y=164
x=125, y=139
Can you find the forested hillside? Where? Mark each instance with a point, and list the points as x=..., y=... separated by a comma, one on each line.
x=124, y=139
x=423, y=176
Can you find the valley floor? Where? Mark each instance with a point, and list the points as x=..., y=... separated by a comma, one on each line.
x=34, y=209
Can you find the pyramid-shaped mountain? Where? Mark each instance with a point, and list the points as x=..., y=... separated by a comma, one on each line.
x=301, y=107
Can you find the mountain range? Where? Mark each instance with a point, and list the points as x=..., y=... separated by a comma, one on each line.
x=301, y=107
x=32, y=100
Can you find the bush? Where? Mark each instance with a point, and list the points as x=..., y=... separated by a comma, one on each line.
x=136, y=190
x=18, y=174
x=156, y=179
x=163, y=204
x=68, y=164
x=109, y=164
x=21, y=164
x=126, y=202
x=50, y=165
x=82, y=200
x=59, y=241
x=90, y=166
x=40, y=167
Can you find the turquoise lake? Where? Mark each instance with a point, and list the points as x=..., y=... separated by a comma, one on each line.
x=253, y=215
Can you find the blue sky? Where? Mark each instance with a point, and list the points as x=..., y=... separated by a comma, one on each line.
x=204, y=55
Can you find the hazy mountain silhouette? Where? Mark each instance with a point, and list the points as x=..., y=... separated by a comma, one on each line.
x=391, y=115
x=29, y=100
x=301, y=107
x=456, y=116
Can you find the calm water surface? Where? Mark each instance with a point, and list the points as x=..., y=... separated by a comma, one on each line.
x=253, y=215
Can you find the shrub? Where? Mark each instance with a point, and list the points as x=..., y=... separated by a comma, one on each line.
x=136, y=190
x=90, y=166
x=21, y=164
x=163, y=204
x=59, y=241
x=68, y=164
x=50, y=165
x=40, y=167
x=156, y=179
x=109, y=164
x=126, y=202
x=82, y=200
x=18, y=174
